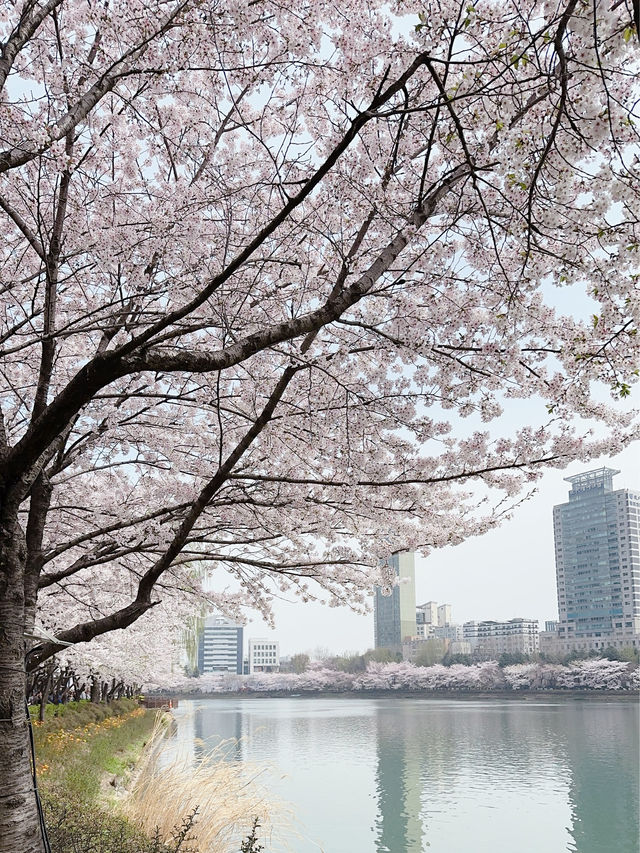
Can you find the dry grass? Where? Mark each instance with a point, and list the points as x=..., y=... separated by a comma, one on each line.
x=228, y=796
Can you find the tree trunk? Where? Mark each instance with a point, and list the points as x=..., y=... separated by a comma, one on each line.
x=95, y=690
x=44, y=697
x=19, y=824
x=66, y=690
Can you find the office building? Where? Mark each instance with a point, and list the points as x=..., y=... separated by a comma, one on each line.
x=426, y=614
x=448, y=632
x=490, y=639
x=444, y=615
x=264, y=656
x=597, y=535
x=433, y=620
x=395, y=612
x=220, y=646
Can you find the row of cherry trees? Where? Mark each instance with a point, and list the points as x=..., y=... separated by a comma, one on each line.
x=593, y=674
x=58, y=682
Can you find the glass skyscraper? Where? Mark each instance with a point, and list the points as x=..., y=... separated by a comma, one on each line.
x=598, y=564
x=395, y=614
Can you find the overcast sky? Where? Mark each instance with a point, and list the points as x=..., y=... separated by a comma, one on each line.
x=506, y=573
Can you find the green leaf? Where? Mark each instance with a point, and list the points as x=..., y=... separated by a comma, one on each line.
x=628, y=33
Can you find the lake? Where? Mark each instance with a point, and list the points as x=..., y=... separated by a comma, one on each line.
x=405, y=775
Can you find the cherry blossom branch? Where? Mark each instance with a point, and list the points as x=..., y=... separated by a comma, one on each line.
x=26, y=29
x=401, y=480
x=104, y=368
x=30, y=235
x=26, y=150
x=363, y=118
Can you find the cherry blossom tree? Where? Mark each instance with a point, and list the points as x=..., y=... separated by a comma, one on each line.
x=259, y=260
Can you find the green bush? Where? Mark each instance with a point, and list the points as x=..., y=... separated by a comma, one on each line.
x=75, y=826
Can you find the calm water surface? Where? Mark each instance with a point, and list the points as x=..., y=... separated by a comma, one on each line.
x=401, y=775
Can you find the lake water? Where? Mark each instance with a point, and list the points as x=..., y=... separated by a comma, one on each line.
x=397, y=775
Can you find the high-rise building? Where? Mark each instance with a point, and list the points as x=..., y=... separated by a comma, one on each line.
x=220, y=646
x=597, y=542
x=395, y=614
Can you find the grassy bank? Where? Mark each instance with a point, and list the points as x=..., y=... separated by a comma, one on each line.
x=84, y=751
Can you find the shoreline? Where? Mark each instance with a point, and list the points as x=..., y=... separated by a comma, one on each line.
x=461, y=695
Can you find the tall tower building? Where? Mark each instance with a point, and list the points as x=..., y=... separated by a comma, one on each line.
x=597, y=535
x=395, y=614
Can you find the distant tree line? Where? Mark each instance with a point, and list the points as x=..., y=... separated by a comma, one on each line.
x=431, y=655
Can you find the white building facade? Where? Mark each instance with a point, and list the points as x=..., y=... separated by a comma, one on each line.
x=492, y=639
x=431, y=617
x=264, y=656
x=444, y=615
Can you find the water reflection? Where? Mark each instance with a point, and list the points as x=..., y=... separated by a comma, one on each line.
x=212, y=728
x=406, y=776
x=459, y=773
x=398, y=786
x=603, y=758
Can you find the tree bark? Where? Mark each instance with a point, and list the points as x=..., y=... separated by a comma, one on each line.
x=95, y=690
x=44, y=698
x=19, y=824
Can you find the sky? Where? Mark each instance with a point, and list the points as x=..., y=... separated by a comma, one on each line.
x=506, y=573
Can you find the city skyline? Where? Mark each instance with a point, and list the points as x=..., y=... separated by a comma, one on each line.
x=507, y=573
